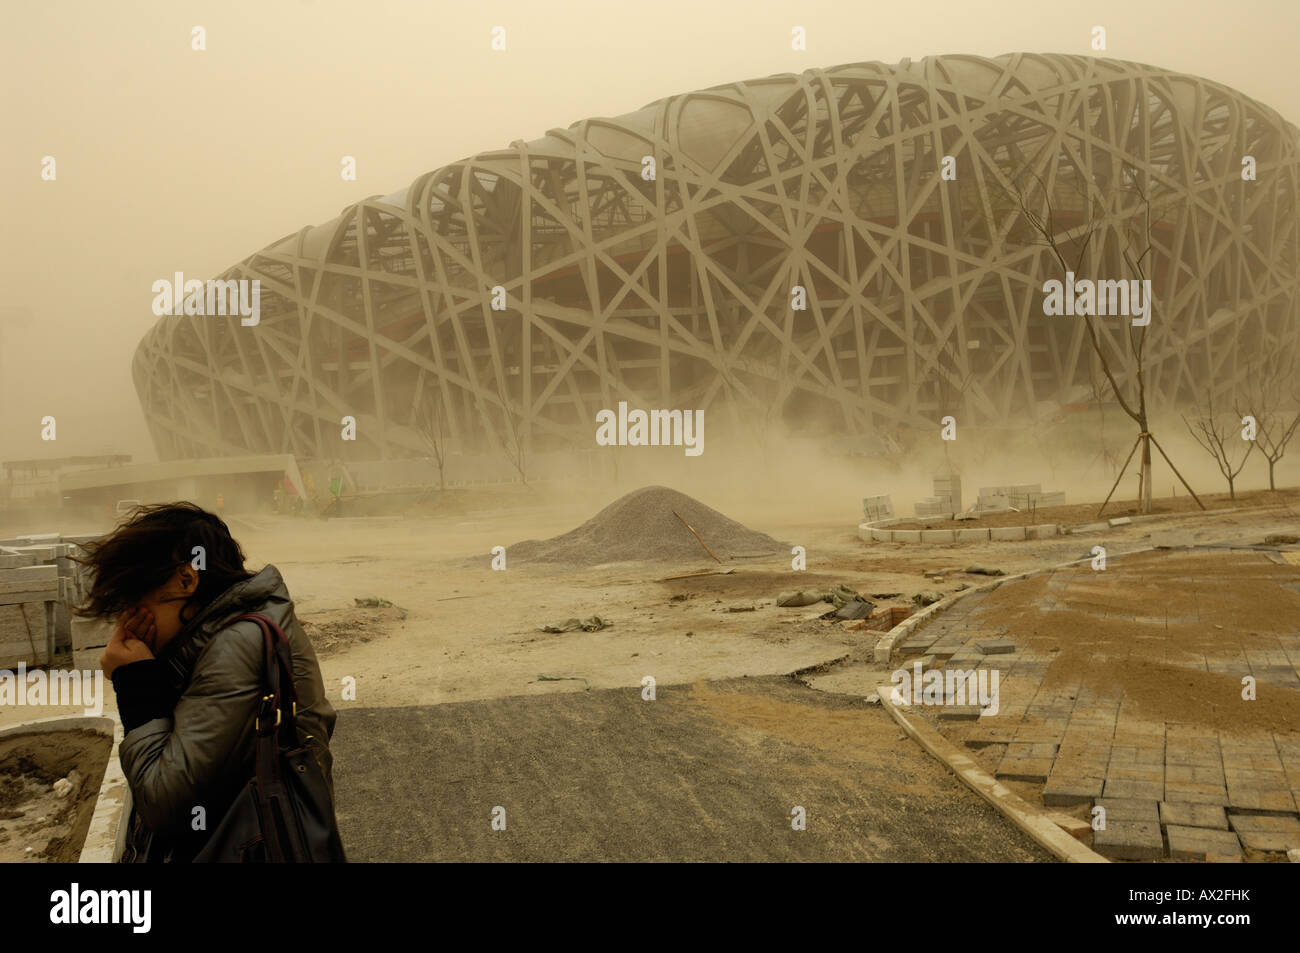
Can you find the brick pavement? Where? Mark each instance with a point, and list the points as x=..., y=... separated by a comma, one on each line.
x=1183, y=791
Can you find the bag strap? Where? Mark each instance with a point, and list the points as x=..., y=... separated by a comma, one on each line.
x=275, y=727
x=277, y=712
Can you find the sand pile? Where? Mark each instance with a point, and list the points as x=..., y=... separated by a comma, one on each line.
x=641, y=526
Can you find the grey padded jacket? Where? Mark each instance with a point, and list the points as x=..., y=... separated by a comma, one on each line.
x=202, y=756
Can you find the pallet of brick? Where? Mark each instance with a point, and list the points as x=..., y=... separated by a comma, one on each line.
x=948, y=487
x=1024, y=501
x=934, y=506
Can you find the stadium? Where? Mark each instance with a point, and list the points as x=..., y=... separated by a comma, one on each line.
x=844, y=251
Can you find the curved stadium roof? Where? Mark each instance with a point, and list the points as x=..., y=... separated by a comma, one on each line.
x=924, y=295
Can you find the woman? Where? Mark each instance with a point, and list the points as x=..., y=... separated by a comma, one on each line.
x=188, y=678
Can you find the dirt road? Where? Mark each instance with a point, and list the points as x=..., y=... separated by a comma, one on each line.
x=707, y=772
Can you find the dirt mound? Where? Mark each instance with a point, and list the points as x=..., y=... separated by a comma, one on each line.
x=641, y=526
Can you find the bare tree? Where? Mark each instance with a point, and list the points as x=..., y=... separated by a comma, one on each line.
x=432, y=427
x=513, y=443
x=1220, y=439
x=1134, y=231
x=1269, y=387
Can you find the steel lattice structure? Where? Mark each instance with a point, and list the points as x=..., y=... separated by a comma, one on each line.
x=924, y=295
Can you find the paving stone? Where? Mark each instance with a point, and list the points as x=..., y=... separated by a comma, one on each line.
x=1069, y=790
x=1260, y=798
x=1124, y=788
x=1271, y=841
x=1264, y=823
x=1050, y=734
x=916, y=644
x=960, y=713
x=1145, y=773
x=1023, y=749
x=1024, y=769
x=1198, y=843
x=1068, y=762
x=990, y=732
x=1129, y=840
x=1196, y=793
x=1191, y=814
x=1130, y=809
x=996, y=646
x=1194, y=774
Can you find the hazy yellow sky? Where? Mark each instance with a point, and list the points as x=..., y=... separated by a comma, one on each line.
x=174, y=160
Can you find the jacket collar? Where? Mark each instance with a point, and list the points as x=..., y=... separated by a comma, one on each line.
x=180, y=654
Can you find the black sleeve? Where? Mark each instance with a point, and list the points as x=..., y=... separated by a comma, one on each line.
x=142, y=694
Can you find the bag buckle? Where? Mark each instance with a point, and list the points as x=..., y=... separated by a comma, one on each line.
x=266, y=700
x=257, y=719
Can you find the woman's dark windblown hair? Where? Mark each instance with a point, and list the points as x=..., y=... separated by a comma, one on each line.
x=144, y=553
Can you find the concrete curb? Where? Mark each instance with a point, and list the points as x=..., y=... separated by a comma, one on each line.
x=105, y=839
x=1020, y=812
x=880, y=532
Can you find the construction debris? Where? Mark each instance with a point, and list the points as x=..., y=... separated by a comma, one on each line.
x=800, y=597
x=590, y=624
x=839, y=597
x=854, y=610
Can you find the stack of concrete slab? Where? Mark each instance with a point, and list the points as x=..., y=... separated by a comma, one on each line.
x=39, y=569
x=946, y=499
x=19, y=586
x=1018, y=496
x=877, y=508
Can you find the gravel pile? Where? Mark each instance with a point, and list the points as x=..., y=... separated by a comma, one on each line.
x=641, y=526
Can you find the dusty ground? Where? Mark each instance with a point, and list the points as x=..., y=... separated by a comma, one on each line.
x=461, y=632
